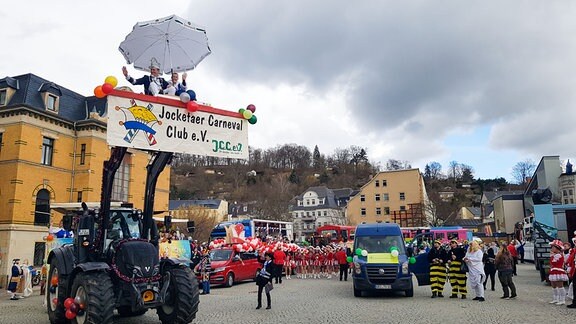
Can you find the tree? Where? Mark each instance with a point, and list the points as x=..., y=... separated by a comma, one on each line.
x=433, y=171
x=317, y=162
x=393, y=164
x=467, y=173
x=522, y=171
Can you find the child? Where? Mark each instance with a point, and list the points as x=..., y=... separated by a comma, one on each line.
x=557, y=275
x=205, y=268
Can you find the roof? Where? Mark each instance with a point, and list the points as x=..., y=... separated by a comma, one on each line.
x=29, y=89
x=492, y=195
x=208, y=203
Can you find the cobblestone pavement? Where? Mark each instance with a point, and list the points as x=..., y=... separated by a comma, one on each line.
x=332, y=301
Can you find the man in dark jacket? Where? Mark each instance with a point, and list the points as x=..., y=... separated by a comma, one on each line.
x=457, y=276
x=263, y=279
x=437, y=258
x=153, y=83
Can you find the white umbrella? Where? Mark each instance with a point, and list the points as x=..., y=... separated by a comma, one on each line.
x=172, y=41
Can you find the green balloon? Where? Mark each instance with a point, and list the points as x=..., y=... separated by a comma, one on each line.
x=349, y=259
x=252, y=119
x=393, y=248
x=358, y=251
x=412, y=260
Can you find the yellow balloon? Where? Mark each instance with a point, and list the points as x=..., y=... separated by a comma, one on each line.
x=112, y=80
x=247, y=114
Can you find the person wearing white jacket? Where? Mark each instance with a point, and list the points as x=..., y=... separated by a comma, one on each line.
x=476, y=273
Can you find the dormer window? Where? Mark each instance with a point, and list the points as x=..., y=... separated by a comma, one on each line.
x=51, y=101
x=51, y=94
x=3, y=97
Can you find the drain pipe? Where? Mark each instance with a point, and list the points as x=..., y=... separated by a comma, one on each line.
x=73, y=163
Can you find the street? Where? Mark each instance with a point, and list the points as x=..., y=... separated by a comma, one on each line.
x=332, y=301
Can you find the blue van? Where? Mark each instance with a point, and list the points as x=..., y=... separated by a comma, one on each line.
x=380, y=262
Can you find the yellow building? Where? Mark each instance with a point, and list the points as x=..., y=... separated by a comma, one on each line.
x=391, y=196
x=52, y=150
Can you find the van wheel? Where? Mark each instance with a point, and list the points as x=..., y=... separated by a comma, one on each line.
x=409, y=292
x=357, y=293
x=229, y=280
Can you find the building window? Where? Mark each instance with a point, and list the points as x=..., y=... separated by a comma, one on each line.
x=82, y=154
x=571, y=200
x=325, y=213
x=565, y=201
x=51, y=102
x=1, y=141
x=299, y=202
x=42, y=210
x=362, y=197
x=570, y=192
x=564, y=192
x=39, y=253
x=79, y=196
x=313, y=201
x=377, y=183
x=3, y=97
x=402, y=196
x=47, y=150
x=313, y=214
x=363, y=211
x=378, y=211
x=386, y=210
x=121, y=181
x=402, y=208
x=384, y=183
x=385, y=197
x=307, y=202
x=377, y=197
x=307, y=213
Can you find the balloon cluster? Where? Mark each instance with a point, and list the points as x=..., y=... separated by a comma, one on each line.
x=106, y=88
x=248, y=113
x=74, y=307
x=191, y=105
x=255, y=245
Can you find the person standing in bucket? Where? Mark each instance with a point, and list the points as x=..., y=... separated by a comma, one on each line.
x=153, y=83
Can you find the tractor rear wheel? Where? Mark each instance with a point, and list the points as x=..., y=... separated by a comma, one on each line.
x=96, y=293
x=182, y=297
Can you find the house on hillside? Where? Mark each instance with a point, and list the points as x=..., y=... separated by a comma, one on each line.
x=52, y=149
x=316, y=207
x=391, y=196
x=467, y=217
x=216, y=208
x=501, y=210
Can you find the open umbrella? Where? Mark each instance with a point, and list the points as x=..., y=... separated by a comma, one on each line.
x=172, y=41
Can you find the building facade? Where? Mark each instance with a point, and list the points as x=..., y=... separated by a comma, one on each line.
x=391, y=196
x=52, y=150
x=316, y=207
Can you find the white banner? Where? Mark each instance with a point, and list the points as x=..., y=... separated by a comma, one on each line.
x=160, y=125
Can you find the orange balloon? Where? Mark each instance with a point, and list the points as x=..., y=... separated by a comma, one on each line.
x=50, y=238
x=98, y=92
x=54, y=281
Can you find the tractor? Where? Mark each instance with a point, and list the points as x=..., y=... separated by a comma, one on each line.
x=114, y=264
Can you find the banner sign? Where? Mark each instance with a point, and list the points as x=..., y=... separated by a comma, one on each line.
x=175, y=249
x=161, y=124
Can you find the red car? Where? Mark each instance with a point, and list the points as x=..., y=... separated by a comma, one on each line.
x=229, y=266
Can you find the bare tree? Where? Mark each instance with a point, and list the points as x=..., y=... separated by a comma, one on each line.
x=393, y=164
x=523, y=170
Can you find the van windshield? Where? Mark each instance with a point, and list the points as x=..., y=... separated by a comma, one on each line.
x=379, y=244
x=220, y=255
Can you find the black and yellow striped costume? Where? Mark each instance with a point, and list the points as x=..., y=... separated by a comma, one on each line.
x=437, y=258
x=457, y=277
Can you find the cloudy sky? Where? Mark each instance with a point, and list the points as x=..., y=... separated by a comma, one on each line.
x=485, y=83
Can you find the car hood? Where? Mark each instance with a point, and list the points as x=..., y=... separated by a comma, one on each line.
x=218, y=264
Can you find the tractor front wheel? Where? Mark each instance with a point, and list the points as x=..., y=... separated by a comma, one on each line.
x=182, y=297
x=96, y=295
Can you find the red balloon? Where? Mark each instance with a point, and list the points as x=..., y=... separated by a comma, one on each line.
x=74, y=308
x=192, y=106
x=68, y=301
x=251, y=107
x=70, y=314
x=54, y=301
x=107, y=88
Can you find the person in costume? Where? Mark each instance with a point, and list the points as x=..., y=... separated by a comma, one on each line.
x=176, y=88
x=263, y=279
x=571, y=269
x=27, y=276
x=437, y=258
x=457, y=276
x=476, y=275
x=557, y=275
x=14, y=279
x=205, y=268
x=153, y=83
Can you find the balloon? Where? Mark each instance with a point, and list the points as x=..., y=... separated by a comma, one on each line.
x=111, y=80
x=251, y=107
x=98, y=92
x=68, y=301
x=358, y=251
x=82, y=306
x=253, y=120
x=52, y=289
x=54, y=281
x=70, y=315
x=393, y=248
x=184, y=97
x=241, y=111
x=50, y=238
x=364, y=253
x=54, y=301
x=247, y=114
x=107, y=88
x=192, y=106
x=412, y=260
x=73, y=308
x=80, y=312
x=349, y=259
x=394, y=253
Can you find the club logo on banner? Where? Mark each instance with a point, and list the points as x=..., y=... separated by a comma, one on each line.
x=163, y=127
